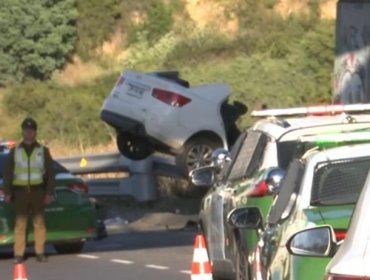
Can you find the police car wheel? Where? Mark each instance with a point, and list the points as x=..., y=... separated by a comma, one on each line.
x=69, y=247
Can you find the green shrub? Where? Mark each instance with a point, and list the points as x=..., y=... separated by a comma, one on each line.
x=69, y=114
x=37, y=37
x=158, y=21
x=195, y=45
x=96, y=22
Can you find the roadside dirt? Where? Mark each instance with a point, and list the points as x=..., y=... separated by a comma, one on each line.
x=122, y=215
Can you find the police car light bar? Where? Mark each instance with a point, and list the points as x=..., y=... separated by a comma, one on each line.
x=312, y=110
x=337, y=137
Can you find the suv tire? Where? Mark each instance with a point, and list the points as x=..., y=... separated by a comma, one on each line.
x=69, y=247
x=196, y=152
x=132, y=146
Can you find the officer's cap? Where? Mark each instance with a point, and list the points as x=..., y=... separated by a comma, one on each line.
x=29, y=123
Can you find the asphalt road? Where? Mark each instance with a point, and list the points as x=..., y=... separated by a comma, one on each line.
x=132, y=255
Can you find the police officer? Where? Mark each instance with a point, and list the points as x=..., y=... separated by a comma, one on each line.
x=29, y=184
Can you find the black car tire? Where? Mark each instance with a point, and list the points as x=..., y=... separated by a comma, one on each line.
x=196, y=152
x=132, y=146
x=69, y=247
x=242, y=265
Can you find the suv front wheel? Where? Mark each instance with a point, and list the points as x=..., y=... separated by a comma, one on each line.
x=197, y=152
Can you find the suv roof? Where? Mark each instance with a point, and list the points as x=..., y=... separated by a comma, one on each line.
x=254, y=148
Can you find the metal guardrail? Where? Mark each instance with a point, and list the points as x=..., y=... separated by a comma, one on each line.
x=140, y=184
x=115, y=162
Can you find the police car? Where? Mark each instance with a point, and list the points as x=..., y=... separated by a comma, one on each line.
x=269, y=145
x=71, y=219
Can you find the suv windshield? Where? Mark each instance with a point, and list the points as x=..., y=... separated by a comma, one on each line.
x=247, y=155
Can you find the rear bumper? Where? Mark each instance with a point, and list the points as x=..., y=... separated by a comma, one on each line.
x=156, y=136
x=120, y=122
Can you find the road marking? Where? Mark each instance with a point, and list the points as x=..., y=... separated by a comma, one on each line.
x=121, y=261
x=88, y=256
x=157, y=266
x=185, y=271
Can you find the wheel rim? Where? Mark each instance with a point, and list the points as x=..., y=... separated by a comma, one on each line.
x=199, y=155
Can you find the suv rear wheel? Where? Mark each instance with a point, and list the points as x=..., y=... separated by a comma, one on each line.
x=197, y=152
x=132, y=146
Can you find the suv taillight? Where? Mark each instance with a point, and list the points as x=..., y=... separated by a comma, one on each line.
x=170, y=98
x=344, y=277
x=259, y=190
x=80, y=187
x=340, y=234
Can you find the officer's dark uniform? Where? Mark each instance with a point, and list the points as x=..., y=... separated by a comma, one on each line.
x=28, y=177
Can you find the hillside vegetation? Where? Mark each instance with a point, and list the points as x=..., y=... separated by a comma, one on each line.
x=266, y=56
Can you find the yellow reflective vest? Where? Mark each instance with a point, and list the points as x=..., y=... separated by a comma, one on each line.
x=28, y=171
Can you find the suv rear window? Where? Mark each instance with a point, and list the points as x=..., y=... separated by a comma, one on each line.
x=339, y=182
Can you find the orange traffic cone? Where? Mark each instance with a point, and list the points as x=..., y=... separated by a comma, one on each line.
x=201, y=267
x=20, y=271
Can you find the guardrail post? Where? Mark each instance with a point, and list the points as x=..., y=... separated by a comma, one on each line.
x=141, y=184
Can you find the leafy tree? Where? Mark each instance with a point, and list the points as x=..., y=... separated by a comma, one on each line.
x=36, y=37
x=317, y=59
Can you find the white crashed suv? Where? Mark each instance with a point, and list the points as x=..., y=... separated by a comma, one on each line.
x=161, y=112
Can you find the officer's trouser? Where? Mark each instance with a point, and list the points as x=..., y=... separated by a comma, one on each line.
x=27, y=202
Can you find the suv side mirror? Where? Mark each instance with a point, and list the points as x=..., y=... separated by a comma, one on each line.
x=312, y=242
x=245, y=218
x=203, y=176
x=274, y=180
x=220, y=157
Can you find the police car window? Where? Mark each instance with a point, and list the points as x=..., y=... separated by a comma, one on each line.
x=2, y=163
x=339, y=182
x=249, y=156
x=288, y=191
x=289, y=150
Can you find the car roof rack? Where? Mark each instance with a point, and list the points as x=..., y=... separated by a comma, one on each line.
x=318, y=110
